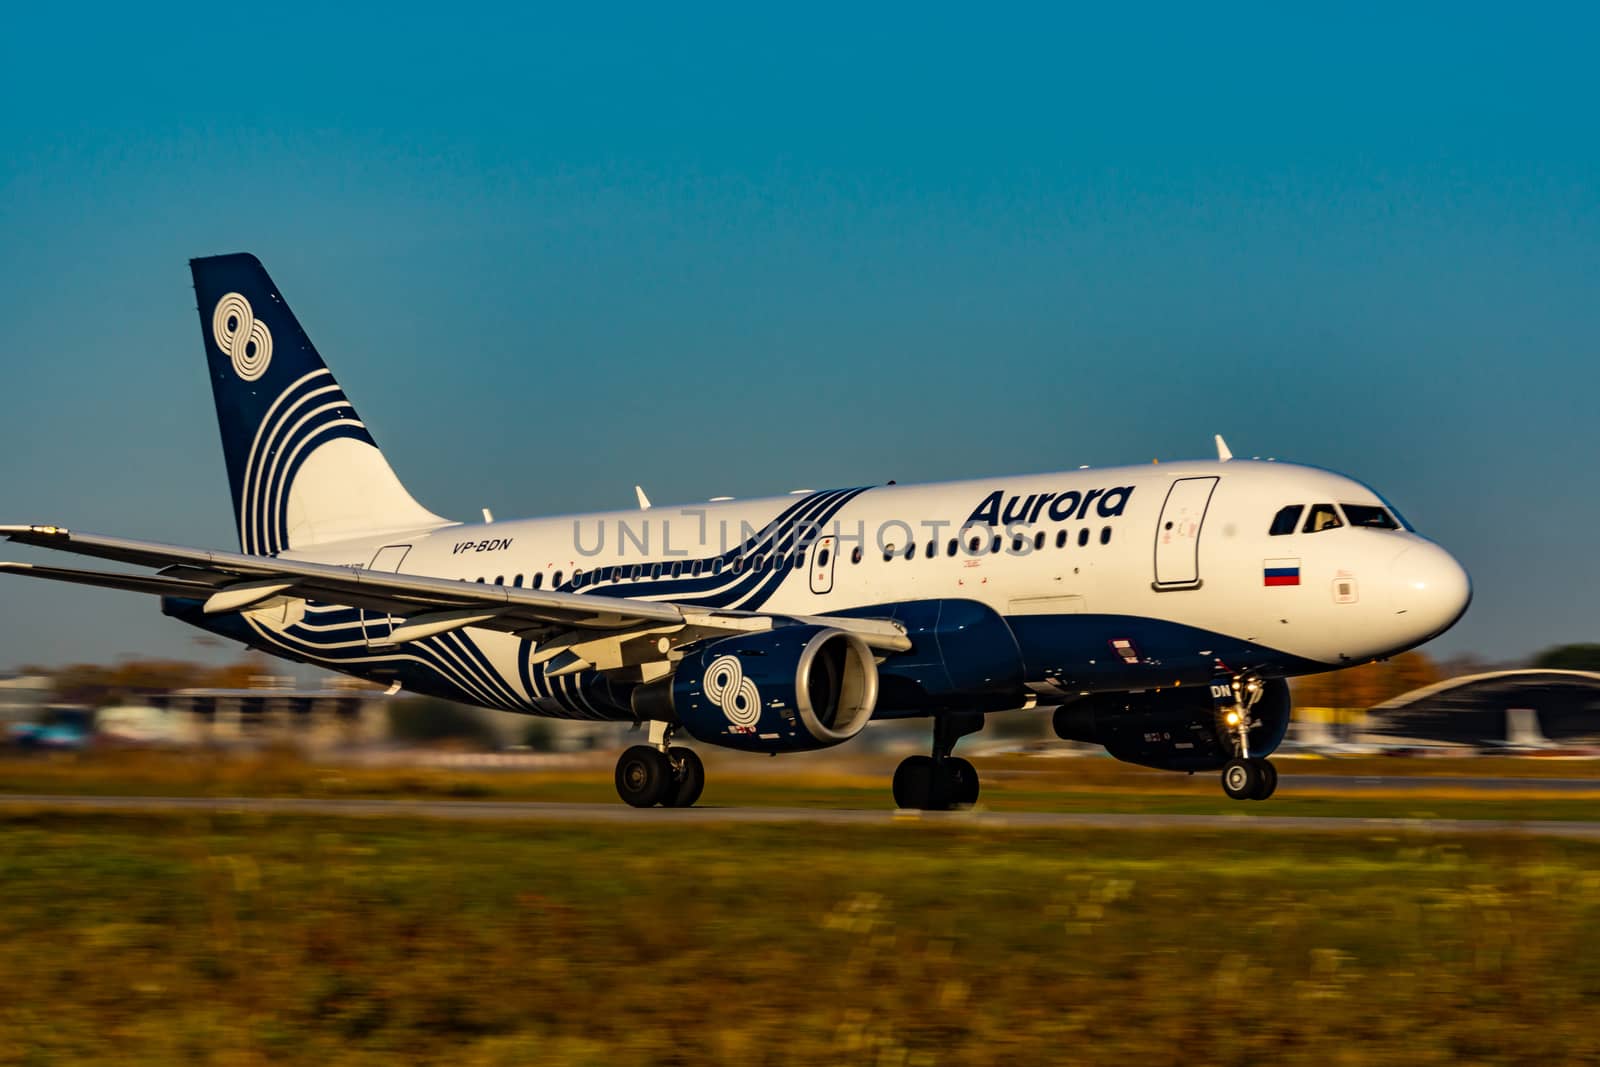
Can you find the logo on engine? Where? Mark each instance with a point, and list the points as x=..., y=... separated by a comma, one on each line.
x=247, y=341
x=731, y=691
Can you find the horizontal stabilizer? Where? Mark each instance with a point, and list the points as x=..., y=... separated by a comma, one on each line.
x=133, y=583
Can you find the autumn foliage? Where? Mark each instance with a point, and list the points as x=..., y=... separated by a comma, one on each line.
x=98, y=685
x=1359, y=688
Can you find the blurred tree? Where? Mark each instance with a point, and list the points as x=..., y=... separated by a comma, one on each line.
x=539, y=735
x=98, y=686
x=426, y=720
x=1367, y=685
x=1569, y=658
x=236, y=675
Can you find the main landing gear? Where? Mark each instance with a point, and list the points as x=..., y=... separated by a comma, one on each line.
x=1244, y=777
x=658, y=773
x=940, y=781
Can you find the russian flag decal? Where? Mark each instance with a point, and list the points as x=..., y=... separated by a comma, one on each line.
x=1280, y=572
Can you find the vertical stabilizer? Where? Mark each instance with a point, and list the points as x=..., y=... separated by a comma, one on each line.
x=302, y=466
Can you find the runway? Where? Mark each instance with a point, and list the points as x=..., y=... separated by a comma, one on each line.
x=620, y=814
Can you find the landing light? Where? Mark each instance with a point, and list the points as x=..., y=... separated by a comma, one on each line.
x=1233, y=718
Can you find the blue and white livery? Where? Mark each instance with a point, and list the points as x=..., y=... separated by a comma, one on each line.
x=1159, y=608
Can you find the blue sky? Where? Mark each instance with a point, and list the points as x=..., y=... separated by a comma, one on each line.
x=550, y=254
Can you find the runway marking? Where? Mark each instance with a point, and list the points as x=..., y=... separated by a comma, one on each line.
x=540, y=811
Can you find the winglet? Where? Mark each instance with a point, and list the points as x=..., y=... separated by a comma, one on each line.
x=1223, y=453
x=644, y=501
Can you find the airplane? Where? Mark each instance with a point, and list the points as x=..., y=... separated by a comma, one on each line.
x=1159, y=609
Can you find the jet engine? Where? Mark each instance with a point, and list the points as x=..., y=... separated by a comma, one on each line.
x=1177, y=729
x=790, y=689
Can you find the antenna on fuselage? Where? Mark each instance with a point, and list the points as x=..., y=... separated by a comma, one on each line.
x=644, y=501
x=1223, y=452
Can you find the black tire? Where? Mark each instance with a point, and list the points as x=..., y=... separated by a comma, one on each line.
x=1241, y=778
x=689, y=779
x=1269, y=779
x=963, y=781
x=913, y=783
x=643, y=776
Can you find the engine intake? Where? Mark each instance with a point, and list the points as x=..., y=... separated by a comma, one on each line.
x=1171, y=729
x=791, y=689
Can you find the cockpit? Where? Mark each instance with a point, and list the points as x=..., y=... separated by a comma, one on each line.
x=1320, y=517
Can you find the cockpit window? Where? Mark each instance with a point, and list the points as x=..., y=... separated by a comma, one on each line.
x=1286, y=520
x=1322, y=517
x=1369, y=515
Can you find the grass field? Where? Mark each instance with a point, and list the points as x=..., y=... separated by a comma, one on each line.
x=231, y=940
x=1009, y=784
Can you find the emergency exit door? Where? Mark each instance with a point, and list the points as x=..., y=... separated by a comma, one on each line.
x=376, y=625
x=1178, y=533
x=822, y=564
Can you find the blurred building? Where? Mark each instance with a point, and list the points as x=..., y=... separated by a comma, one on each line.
x=314, y=719
x=22, y=696
x=1519, y=709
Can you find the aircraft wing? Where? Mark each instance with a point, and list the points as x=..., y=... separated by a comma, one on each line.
x=232, y=581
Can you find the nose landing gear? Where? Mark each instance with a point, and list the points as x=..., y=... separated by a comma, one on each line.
x=1244, y=777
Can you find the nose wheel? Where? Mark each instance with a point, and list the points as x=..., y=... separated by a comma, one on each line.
x=1244, y=777
x=1249, y=779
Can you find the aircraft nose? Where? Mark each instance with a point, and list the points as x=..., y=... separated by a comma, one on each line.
x=1429, y=588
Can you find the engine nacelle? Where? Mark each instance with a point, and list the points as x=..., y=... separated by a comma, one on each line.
x=1172, y=729
x=790, y=689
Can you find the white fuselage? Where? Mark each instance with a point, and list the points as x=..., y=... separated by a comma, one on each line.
x=1109, y=560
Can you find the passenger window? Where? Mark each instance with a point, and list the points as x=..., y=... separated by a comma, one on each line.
x=1105, y=535
x=799, y=561
x=1370, y=516
x=517, y=581
x=694, y=569
x=1016, y=545
x=911, y=550
x=638, y=569
x=995, y=545
x=1038, y=540
x=1322, y=517
x=1083, y=537
x=555, y=579
x=499, y=579
x=577, y=578
x=677, y=569
x=1285, y=521
x=975, y=545
x=952, y=547
x=738, y=565
x=716, y=565
x=933, y=549
x=538, y=580
x=823, y=557
x=480, y=581
x=855, y=554
x=1061, y=539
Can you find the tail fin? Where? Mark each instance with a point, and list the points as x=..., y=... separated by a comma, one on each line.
x=303, y=468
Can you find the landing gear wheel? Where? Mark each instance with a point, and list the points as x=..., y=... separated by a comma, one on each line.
x=688, y=781
x=644, y=776
x=1269, y=779
x=1241, y=778
x=913, y=782
x=963, y=781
